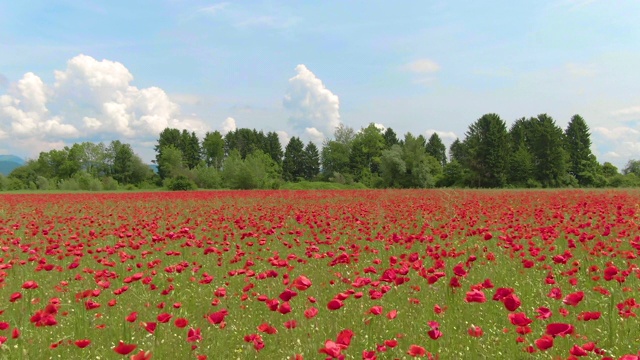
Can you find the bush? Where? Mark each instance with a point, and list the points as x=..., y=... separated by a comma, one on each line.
x=109, y=183
x=69, y=185
x=180, y=183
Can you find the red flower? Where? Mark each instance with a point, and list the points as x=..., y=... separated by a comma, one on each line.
x=150, y=327
x=194, y=335
x=511, y=302
x=181, y=322
x=310, y=313
x=335, y=304
x=332, y=349
x=578, y=351
x=82, y=343
x=124, y=349
x=475, y=331
x=302, y=283
x=291, y=324
x=164, y=318
x=267, y=329
x=142, y=355
x=132, y=317
x=559, y=329
x=30, y=285
x=545, y=342
x=218, y=316
x=574, y=299
x=475, y=296
x=416, y=350
x=544, y=312
x=344, y=337
x=519, y=319
x=392, y=314
x=435, y=332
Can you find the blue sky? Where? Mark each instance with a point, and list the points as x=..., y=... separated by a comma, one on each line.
x=95, y=71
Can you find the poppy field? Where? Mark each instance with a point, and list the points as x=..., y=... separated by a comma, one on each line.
x=362, y=274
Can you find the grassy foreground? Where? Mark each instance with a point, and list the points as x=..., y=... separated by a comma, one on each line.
x=320, y=274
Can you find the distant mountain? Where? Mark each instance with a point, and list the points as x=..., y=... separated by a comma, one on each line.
x=12, y=158
x=6, y=167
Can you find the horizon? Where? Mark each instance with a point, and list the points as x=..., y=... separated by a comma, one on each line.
x=99, y=72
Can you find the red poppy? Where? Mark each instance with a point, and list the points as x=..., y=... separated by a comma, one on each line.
x=559, y=329
x=164, y=318
x=217, y=317
x=181, y=322
x=194, y=335
x=142, y=355
x=475, y=296
x=335, y=304
x=519, y=319
x=124, y=349
x=574, y=299
x=302, y=283
x=416, y=350
x=545, y=342
x=475, y=331
x=83, y=343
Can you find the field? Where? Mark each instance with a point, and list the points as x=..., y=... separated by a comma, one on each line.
x=320, y=274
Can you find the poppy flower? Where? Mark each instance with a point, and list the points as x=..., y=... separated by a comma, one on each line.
x=335, y=304
x=559, y=329
x=302, y=283
x=574, y=299
x=132, y=317
x=332, y=349
x=218, y=316
x=475, y=331
x=194, y=335
x=142, y=355
x=164, y=318
x=475, y=296
x=416, y=350
x=545, y=342
x=181, y=322
x=83, y=343
x=519, y=319
x=511, y=302
x=344, y=337
x=124, y=349
x=578, y=351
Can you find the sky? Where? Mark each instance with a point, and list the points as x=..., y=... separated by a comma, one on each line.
x=74, y=71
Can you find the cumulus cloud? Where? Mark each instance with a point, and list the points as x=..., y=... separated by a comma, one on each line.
x=90, y=99
x=228, y=125
x=446, y=136
x=622, y=142
x=380, y=127
x=311, y=104
x=283, y=137
x=314, y=135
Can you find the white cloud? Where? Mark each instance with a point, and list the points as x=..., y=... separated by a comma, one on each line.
x=228, y=125
x=311, y=104
x=90, y=99
x=283, y=137
x=629, y=111
x=446, y=136
x=314, y=135
x=622, y=142
x=380, y=127
x=422, y=66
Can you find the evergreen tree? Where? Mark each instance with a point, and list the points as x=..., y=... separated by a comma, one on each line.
x=435, y=147
x=390, y=138
x=311, y=161
x=190, y=147
x=273, y=147
x=547, y=148
x=521, y=164
x=582, y=164
x=293, y=162
x=488, y=150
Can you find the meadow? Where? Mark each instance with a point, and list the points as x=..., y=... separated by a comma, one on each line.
x=332, y=274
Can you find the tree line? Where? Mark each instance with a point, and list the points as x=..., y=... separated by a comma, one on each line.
x=531, y=153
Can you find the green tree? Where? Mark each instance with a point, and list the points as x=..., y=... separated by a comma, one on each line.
x=632, y=167
x=521, y=164
x=547, y=148
x=273, y=147
x=390, y=138
x=213, y=149
x=335, y=158
x=582, y=164
x=366, y=151
x=488, y=151
x=190, y=147
x=392, y=167
x=311, y=161
x=609, y=170
x=293, y=162
x=168, y=137
x=170, y=162
x=435, y=147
